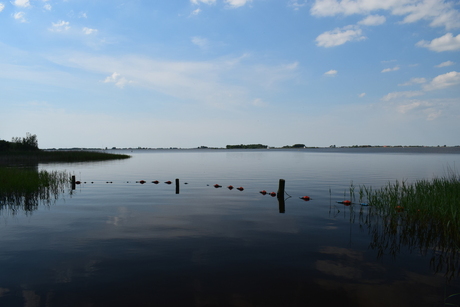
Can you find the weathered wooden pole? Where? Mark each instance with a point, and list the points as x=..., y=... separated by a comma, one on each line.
x=281, y=189
x=177, y=185
x=73, y=182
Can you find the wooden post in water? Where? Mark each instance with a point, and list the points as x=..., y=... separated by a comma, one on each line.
x=73, y=182
x=281, y=189
x=281, y=204
x=177, y=185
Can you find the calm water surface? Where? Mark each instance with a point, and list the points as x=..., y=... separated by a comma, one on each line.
x=115, y=242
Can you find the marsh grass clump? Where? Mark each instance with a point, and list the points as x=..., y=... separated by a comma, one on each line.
x=435, y=201
x=24, y=189
x=424, y=215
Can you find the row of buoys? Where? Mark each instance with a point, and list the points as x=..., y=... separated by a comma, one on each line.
x=272, y=194
x=230, y=187
x=263, y=192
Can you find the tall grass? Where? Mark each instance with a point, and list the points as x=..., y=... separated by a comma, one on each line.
x=24, y=189
x=423, y=216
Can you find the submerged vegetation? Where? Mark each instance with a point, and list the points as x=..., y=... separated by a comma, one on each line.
x=24, y=189
x=423, y=216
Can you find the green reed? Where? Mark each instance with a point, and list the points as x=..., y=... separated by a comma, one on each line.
x=424, y=215
x=436, y=201
x=25, y=188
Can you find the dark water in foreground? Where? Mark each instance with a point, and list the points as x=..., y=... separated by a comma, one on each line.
x=129, y=244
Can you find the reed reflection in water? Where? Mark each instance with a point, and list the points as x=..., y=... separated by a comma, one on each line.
x=421, y=217
x=24, y=189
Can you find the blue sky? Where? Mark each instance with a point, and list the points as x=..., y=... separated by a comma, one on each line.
x=188, y=73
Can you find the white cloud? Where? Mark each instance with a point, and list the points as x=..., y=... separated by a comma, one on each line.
x=196, y=12
x=438, y=12
x=413, y=81
x=428, y=109
x=200, y=42
x=339, y=36
x=237, y=3
x=406, y=94
x=373, y=20
x=296, y=5
x=19, y=16
x=21, y=3
x=442, y=81
x=47, y=7
x=119, y=81
x=60, y=26
x=362, y=95
x=349, y=7
x=331, y=72
x=445, y=64
x=204, y=82
x=390, y=69
x=447, y=42
x=88, y=31
x=2, y=6
x=203, y=1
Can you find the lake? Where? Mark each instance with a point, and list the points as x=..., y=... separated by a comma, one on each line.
x=116, y=242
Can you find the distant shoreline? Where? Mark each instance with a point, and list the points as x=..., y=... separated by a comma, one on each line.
x=396, y=150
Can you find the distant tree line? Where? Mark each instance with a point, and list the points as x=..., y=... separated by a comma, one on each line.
x=27, y=143
x=248, y=146
x=295, y=146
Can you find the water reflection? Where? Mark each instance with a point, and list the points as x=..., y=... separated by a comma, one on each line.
x=394, y=234
x=24, y=189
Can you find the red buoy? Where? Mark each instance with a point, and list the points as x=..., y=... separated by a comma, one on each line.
x=306, y=198
x=155, y=182
x=168, y=182
x=77, y=182
x=272, y=194
x=240, y=188
x=263, y=192
x=346, y=202
x=230, y=187
x=217, y=186
x=142, y=181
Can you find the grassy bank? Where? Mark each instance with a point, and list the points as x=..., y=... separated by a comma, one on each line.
x=42, y=156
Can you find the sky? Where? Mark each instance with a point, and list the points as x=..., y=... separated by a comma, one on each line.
x=189, y=73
